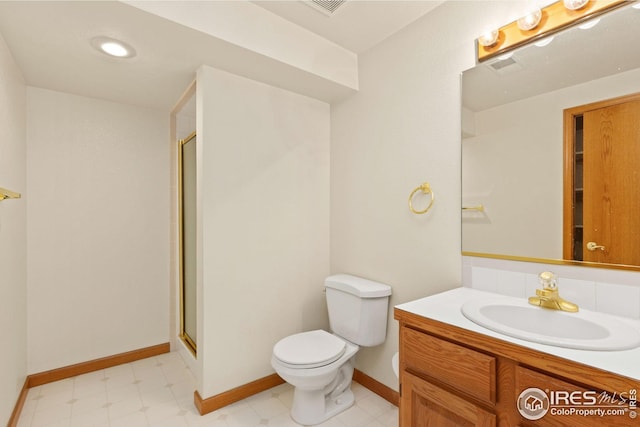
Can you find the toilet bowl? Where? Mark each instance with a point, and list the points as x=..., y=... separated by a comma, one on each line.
x=320, y=364
x=321, y=379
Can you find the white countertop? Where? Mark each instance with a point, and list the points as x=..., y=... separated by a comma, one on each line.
x=445, y=307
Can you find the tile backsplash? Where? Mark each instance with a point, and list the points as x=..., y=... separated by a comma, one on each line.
x=609, y=291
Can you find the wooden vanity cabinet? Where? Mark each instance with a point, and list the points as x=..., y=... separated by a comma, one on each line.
x=452, y=377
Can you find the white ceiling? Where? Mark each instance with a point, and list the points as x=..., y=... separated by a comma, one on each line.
x=49, y=41
x=357, y=25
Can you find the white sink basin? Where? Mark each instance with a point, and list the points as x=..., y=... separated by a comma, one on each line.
x=586, y=330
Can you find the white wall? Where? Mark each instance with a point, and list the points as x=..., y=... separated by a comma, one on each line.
x=98, y=215
x=13, y=234
x=401, y=129
x=264, y=221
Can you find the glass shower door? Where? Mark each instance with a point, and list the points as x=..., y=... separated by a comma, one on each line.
x=188, y=233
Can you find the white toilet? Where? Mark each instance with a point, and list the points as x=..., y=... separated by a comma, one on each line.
x=320, y=364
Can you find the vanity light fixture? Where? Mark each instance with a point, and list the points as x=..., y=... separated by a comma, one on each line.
x=541, y=23
x=113, y=47
x=530, y=20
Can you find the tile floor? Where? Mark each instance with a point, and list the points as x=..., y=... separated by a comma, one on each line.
x=158, y=392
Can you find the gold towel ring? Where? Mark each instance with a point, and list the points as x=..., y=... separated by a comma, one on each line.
x=426, y=189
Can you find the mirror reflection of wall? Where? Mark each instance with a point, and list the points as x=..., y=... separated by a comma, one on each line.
x=512, y=145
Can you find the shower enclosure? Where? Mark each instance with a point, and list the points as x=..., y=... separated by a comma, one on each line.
x=184, y=135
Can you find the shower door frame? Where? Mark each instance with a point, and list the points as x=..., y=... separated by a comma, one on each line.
x=189, y=341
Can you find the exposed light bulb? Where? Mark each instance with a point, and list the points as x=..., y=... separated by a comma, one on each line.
x=575, y=4
x=489, y=38
x=530, y=20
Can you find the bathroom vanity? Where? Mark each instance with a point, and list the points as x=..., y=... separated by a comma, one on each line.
x=456, y=373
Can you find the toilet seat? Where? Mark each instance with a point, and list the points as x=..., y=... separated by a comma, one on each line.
x=308, y=350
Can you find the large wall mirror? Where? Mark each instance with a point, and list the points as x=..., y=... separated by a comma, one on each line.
x=514, y=137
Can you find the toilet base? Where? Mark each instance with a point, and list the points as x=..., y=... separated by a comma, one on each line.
x=312, y=407
x=340, y=403
x=324, y=409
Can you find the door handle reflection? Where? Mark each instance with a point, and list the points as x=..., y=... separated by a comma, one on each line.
x=592, y=246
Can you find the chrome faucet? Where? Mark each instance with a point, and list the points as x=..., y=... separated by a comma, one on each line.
x=548, y=296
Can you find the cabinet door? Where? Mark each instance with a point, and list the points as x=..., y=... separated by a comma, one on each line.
x=423, y=404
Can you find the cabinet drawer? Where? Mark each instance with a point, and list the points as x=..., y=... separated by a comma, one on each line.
x=469, y=371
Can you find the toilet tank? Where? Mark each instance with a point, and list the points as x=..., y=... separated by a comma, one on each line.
x=358, y=309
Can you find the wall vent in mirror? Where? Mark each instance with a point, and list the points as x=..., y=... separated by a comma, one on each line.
x=506, y=65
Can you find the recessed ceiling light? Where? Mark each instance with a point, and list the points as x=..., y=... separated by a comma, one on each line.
x=113, y=47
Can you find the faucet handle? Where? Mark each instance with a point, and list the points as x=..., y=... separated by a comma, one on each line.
x=548, y=280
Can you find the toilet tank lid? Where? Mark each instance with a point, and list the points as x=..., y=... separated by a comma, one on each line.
x=363, y=288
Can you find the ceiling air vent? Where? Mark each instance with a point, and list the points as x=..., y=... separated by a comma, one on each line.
x=328, y=7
